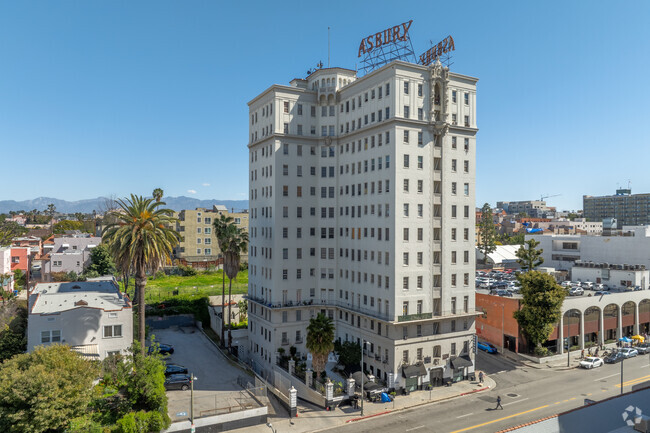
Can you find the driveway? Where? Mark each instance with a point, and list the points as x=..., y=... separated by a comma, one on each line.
x=215, y=389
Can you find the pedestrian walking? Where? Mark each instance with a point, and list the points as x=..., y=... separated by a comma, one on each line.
x=480, y=377
x=498, y=403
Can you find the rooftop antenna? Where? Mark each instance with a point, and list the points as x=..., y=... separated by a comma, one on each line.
x=328, y=46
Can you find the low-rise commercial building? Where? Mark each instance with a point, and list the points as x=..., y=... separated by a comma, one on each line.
x=588, y=319
x=614, y=276
x=93, y=317
x=631, y=246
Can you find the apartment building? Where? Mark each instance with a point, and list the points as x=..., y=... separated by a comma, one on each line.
x=532, y=208
x=625, y=207
x=362, y=208
x=198, y=246
x=68, y=253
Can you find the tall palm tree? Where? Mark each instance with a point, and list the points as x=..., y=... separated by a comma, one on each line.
x=158, y=194
x=236, y=246
x=320, y=340
x=224, y=230
x=141, y=239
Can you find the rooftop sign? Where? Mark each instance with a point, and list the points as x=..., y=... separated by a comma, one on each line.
x=388, y=36
x=443, y=47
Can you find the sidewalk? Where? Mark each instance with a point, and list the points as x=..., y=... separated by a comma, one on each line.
x=311, y=418
x=561, y=364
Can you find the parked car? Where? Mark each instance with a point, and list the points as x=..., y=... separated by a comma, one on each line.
x=504, y=293
x=487, y=347
x=175, y=369
x=613, y=358
x=637, y=288
x=599, y=287
x=163, y=349
x=591, y=362
x=628, y=352
x=566, y=283
x=178, y=381
x=601, y=292
x=587, y=285
x=643, y=348
x=576, y=291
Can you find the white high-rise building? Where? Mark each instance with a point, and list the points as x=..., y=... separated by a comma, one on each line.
x=362, y=207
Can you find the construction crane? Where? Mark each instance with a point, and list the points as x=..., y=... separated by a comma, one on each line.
x=548, y=196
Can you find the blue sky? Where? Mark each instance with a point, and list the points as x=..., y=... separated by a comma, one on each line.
x=114, y=97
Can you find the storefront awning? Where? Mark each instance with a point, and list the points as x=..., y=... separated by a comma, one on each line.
x=461, y=362
x=414, y=371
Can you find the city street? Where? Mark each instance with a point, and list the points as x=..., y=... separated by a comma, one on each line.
x=527, y=394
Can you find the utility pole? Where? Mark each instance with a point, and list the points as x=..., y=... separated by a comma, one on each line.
x=622, y=362
x=192, y=427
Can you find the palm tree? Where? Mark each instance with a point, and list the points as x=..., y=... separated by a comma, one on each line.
x=224, y=230
x=320, y=340
x=237, y=244
x=158, y=194
x=141, y=239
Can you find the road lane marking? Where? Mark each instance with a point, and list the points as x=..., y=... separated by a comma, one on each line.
x=414, y=428
x=516, y=401
x=467, y=414
x=500, y=419
x=634, y=381
x=607, y=377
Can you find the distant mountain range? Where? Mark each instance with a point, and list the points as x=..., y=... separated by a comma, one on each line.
x=98, y=204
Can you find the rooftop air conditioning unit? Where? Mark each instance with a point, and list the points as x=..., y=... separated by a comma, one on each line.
x=641, y=423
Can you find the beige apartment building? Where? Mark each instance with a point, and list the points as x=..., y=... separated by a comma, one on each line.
x=198, y=246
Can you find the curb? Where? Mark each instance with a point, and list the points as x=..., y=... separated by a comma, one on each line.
x=369, y=416
x=473, y=391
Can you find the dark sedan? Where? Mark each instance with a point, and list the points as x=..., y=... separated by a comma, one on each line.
x=178, y=381
x=614, y=358
x=163, y=349
x=175, y=369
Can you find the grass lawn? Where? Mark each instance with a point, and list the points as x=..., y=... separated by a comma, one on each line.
x=208, y=283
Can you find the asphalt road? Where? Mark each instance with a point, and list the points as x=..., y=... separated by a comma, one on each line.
x=527, y=394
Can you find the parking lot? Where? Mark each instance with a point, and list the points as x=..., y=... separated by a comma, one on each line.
x=215, y=390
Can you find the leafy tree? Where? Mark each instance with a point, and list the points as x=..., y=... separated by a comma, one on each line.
x=51, y=210
x=43, y=390
x=349, y=354
x=141, y=240
x=145, y=387
x=10, y=230
x=101, y=260
x=243, y=309
x=65, y=225
x=540, y=307
x=5, y=280
x=224, y=230
x=486, y=232
x=529, y=258
x=13, y=329
x=236, y=246
x=20, y=279
x=320, y=337
x=79, y=216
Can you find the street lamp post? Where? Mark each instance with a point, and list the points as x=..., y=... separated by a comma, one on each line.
x=363, y=345
x=192, y=379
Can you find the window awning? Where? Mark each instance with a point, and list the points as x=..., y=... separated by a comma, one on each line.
x=90, y=351
x=414, y=371
x=461, y=362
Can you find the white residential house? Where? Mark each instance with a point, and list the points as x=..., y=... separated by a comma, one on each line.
x=92, y=317
x=69, y=253
x=6, y=275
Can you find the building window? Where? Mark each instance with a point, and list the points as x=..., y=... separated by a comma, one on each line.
x=466, y=98
x=406, y=88
x=407, y=111
x=113, y=331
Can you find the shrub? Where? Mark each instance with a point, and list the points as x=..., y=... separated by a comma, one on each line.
x=187, y=271
x=142, y=421
x=185, y=304
x=541, y=351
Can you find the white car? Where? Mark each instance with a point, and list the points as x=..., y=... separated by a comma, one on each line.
x=591, y=362
x=566, y=284
x=628, y=352
x=588, y=285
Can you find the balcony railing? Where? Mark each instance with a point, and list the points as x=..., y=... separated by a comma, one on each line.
x=409, y=317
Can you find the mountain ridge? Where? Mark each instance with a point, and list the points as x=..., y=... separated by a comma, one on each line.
x=89, y=205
